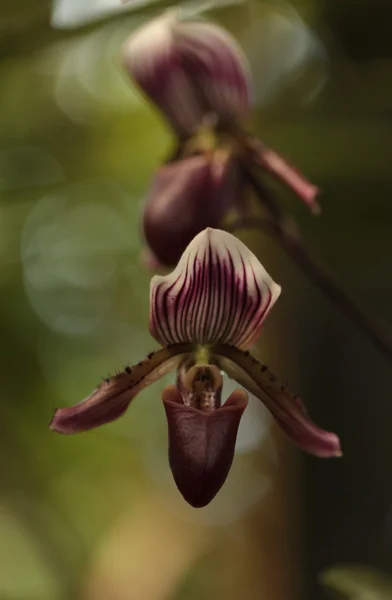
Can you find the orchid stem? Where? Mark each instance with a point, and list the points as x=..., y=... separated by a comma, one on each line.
x=284, y=233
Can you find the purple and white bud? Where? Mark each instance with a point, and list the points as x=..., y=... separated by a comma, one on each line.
x=187, y=196
x=191, y=69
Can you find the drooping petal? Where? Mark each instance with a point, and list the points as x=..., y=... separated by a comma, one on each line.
x=189, y=69
x=282, y=170
x=112, y=397
x=186, y=197
x=219, y=292
x=201, y=445
x=287, y=409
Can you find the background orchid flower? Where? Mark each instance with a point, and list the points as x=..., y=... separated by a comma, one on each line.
x=199, y=78
x=189, y=69
x=205, y=314
x=206, y=185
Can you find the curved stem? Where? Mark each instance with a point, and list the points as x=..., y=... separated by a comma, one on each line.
x=285, y=234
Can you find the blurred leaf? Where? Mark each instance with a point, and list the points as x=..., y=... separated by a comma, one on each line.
x=357, y=582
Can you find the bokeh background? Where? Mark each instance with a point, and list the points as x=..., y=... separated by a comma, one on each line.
x=97, y=516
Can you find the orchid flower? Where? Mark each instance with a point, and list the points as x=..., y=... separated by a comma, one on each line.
x=206, y=314
x=198, y=77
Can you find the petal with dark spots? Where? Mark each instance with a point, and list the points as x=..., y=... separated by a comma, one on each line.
x=287, y=409
x=112, y=397
x=201, y=444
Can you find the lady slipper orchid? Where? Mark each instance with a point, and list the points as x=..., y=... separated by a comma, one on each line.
x=205, y=314
x=198, y=77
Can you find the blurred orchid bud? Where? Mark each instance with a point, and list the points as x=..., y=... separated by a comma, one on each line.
x=191, y=69
x=187, y=196
x=197, y=76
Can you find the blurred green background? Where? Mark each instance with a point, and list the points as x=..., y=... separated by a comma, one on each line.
x=97, y=516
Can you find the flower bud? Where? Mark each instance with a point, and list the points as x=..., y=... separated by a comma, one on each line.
x=186, y=197
x=189, y=69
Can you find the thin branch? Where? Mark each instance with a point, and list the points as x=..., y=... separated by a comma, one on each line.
x=285, y=234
